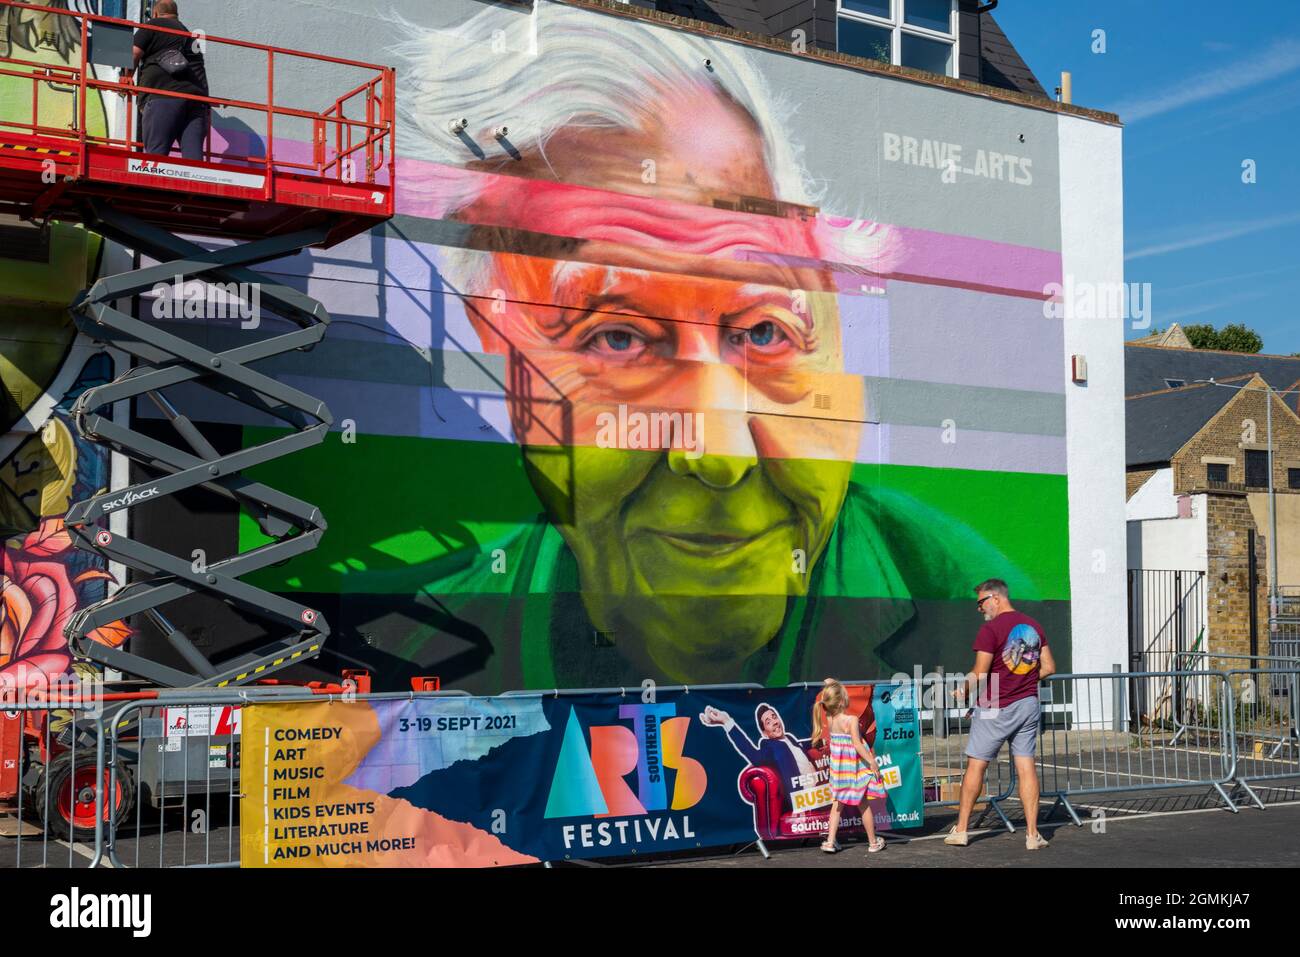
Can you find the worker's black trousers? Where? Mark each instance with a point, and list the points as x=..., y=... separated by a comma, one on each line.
x=167, y=120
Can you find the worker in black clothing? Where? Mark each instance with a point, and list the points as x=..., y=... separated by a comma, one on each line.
x=167, y=119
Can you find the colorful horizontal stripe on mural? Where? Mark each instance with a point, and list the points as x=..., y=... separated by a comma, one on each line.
x=351, y=375
x=398, y=507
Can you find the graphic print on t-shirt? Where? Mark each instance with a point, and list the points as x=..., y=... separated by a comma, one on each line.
x=1020, y=653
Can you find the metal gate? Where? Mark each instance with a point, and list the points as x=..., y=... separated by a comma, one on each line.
x=1166, y=622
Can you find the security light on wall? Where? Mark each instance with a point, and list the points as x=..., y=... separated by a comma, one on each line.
x=1079, y=368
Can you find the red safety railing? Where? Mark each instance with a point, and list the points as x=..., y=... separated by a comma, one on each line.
x=366, y=137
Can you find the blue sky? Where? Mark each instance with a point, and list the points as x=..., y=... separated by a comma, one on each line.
x=1200, y=87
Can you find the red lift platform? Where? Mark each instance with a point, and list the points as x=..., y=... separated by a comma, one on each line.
x=335, y=180
x=48, y=170
x=319, y=174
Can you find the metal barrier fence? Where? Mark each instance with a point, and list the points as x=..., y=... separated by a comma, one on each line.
x=1179, y=695
x=180, y=761
x=1284, y=636
x=53, y=757
x=178, y=754
x=1160, y=697
x=945, y=732
x=1090, y=745
x=1266, y=726
x=1190, y=690
x=1164, y=696
x=168, y=768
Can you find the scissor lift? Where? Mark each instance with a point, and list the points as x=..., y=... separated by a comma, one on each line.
x=290, y=197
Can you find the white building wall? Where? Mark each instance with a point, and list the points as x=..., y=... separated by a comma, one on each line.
x=1154, y=499
x=1166, y=530
x=1178, y=543
x=1157, y=543
x=1092, y=251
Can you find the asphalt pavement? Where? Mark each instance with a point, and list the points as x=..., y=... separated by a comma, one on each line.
x=1160, y=829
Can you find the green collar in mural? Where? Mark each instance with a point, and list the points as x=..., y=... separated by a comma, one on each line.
x=887, y=552
x=555, y=653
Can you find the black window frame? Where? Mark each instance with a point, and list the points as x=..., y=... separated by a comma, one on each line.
x=1211, y=468
x=1257, y=466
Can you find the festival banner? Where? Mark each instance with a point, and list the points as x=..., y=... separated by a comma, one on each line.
x=481, y=782
x=889, y=724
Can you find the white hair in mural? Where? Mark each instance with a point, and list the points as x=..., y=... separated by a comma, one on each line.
x=562, y=67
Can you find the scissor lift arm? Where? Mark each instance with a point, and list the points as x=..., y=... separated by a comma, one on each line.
x=271, y=206
x=164, y=360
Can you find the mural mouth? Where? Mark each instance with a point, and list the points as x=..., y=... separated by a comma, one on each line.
x=714, y=544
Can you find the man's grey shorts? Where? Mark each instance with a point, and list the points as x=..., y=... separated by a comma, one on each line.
x=1017, y=723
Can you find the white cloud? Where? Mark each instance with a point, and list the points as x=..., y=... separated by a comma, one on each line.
x=1279, y=59
x=1240, y=277
x=1277, y=98
x=1207, y=307
x=1205, y=236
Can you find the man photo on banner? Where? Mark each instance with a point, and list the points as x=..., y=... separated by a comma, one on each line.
x=776, y=749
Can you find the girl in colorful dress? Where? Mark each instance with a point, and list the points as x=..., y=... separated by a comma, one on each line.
x=854, y=772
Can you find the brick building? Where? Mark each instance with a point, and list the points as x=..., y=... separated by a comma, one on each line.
x=1198, y=467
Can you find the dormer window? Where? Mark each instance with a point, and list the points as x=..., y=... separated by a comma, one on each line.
x=921, y=34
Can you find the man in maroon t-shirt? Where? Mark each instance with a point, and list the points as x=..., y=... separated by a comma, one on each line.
x=1011, y=657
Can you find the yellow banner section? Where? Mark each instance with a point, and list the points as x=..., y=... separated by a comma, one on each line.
x=304, y=804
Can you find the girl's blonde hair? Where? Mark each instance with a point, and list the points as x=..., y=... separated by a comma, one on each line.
x=831, y=700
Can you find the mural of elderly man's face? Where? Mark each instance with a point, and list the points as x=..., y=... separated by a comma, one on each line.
x=689, y=542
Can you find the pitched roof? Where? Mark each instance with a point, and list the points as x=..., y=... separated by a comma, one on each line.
x=737, y=14
x=1171, y=338
x=1000, y=64
x=1158, y=424
x=1147, y=366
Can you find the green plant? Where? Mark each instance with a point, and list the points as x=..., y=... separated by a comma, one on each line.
x=1234, y=337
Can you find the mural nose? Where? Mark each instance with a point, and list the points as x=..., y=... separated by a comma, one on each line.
x=723, y=449
x=715, y=471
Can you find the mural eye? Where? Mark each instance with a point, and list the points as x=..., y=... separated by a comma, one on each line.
x=620, y=340
x=617, y=343
x=764, y=333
